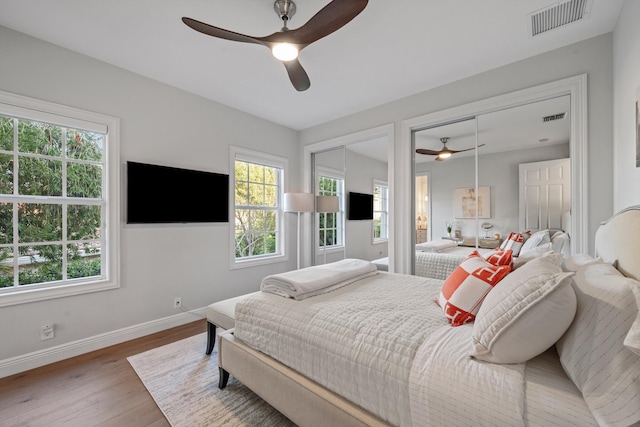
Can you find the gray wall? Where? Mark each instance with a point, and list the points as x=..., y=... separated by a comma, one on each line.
x=593, y=56
x=626, y=65
x=498, y=171
x=159, y=124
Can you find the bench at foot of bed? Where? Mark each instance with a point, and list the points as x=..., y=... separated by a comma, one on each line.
x=221, y=314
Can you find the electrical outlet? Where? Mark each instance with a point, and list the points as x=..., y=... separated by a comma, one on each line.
x=177, y=302
x=46, y=331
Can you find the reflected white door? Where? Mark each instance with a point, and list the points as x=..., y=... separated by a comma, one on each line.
x=545, y=194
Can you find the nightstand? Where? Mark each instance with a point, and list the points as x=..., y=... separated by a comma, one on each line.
x=421, y=235
x=484, y=243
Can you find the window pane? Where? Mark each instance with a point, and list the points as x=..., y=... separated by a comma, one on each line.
x=39, y=138
x=39, y=177
x=256, y=173
x=6, y=133
x=256, y=195
x=242, y=171
x=39, y=222
x=6, y=267
x=6, y=223
x=270, y=243
x=6, y=174
x=84, y=180
x=83, y=222
x=271, y=195
x=84, y=145
x=270, y=176
x=242, y=220
x=42, y=264
x=242, y=245
x=242, y=193
x=83, y=260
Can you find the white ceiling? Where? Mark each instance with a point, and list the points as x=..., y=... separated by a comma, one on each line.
x=391, y=50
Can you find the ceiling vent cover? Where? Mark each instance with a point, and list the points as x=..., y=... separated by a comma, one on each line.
x=553, y=117
x=558, y=15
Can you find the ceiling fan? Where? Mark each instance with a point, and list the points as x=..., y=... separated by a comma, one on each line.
x=444, y=153
x=286, y=44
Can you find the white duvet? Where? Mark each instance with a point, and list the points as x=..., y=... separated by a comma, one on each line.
x=383, y=343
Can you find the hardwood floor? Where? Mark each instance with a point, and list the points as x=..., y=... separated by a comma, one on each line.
x=95, y=389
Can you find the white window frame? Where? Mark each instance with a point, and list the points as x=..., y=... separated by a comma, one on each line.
x=252, y=156
x=384, y=213
x=323, y=171
x=33, y=109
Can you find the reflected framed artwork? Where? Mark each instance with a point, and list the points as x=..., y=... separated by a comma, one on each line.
x=464, y=202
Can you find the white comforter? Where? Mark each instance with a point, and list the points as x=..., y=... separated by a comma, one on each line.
x=384, y=344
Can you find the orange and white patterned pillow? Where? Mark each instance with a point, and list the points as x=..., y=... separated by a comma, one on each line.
x=500, y=257
x=464, y=290
x=514, y=242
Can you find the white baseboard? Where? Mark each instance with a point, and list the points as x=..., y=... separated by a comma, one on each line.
x=25, y=362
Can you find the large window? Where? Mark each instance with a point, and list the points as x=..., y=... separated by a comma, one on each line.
x=330, y=224
x=258, y=188
x=380, y=211
x=54, y=200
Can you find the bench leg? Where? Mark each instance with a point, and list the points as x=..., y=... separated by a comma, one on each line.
x=224, y=378
x=211, y=337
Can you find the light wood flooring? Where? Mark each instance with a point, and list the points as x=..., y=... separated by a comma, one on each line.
x=95, y=389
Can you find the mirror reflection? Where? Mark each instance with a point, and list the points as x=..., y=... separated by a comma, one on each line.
x=519, y=182
x=357, y=174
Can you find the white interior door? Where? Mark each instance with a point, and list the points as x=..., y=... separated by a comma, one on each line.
x=545, y=194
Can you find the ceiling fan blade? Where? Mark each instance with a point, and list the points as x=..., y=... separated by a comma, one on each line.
x=221, y=33
x=330, y=18
x=297, y=75
x=460, y=151
x=427, y=152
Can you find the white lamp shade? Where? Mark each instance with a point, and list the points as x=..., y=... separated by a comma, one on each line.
x=327, y=204
x=298, y=202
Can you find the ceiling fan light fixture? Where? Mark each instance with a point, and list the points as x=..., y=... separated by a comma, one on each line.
x=284, y=51
x=444, y=155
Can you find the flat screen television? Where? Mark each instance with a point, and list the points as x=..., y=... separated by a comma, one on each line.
x=359, y=206
x=161, y=194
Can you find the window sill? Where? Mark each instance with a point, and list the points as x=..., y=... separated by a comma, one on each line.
x=254, y=262
x=24, y=296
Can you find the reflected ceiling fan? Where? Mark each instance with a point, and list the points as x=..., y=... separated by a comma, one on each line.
x=286, y=44
x=444, y=153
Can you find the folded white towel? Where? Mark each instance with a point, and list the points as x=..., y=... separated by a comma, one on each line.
x=436, y=245
x=319, y=279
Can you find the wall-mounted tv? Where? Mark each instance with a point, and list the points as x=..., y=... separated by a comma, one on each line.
x=161, y=194
x=359, y=206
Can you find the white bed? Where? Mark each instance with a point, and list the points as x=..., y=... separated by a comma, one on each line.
x=380, y=352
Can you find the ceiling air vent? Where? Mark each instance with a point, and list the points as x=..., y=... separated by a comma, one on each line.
x=553, y=117
x=557, y=15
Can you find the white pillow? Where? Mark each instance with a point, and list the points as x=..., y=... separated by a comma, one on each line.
x=592, y=351
x=574, y=262
x=526, y=313
x=632, y=340
x=561, y=244
x=531, y=254
x=538, y=238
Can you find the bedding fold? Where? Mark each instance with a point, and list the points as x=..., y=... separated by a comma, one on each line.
x=319, y=279
x=436, y=245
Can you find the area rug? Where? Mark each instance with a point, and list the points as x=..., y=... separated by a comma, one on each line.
x=184, y=383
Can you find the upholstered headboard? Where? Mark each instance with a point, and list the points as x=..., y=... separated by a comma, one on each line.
x=618, y=240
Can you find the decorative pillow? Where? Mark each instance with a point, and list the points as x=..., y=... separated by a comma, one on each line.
x=465, y=288
x=632, y=340
x=592, y=351
x=499, y=257
x=531, y=254
x=514, y=242
x=526, y=313
x=538, y=238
